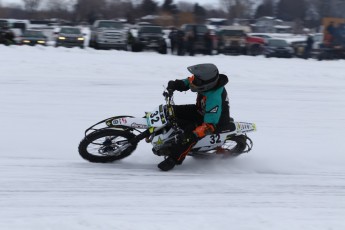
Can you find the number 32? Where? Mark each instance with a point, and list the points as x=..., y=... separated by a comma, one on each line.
x=215, y=139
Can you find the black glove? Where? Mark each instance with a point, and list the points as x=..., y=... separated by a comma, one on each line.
x=171, y=86
x=178, y=85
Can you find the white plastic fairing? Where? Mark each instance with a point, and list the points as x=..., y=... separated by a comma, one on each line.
x=156, y=118
x=133, y=122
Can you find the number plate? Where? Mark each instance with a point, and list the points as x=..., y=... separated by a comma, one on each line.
x=156, y=118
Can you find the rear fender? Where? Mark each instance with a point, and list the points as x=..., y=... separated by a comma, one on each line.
x=215, y=140
x=244, y=127
x=212, y=141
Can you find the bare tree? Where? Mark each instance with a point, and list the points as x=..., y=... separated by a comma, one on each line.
x=312, y=15
x=90, y=10
x=337, y=8
x=185, y=6
x=148, y=7
x=2, y=11
x=61, y=9
x=169, y=6
x=216, y=13
x=290, y=10
x=31, y=5
x=120, y=9
x=266, y=8
x=57, y=5
x=237, y=8
x=199, y=13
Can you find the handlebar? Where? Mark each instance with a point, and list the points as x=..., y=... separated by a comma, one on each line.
x=168, y=95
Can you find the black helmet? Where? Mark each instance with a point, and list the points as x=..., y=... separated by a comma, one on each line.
x=205, y=77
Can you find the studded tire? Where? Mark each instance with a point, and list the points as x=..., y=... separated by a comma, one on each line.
x=104, y=146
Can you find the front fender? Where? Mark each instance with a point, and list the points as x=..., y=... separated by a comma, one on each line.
x=128, y=122
x=118, y=121
x=106, y=123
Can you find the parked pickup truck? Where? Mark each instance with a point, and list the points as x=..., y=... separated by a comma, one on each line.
x=235, y=40
x=150, y=37
x=108, y=34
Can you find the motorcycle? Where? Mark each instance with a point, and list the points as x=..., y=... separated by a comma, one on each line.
x=117, y=137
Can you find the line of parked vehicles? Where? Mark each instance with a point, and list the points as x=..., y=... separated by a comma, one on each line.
x=189, y=39
x=22, y=32
x=67, y=37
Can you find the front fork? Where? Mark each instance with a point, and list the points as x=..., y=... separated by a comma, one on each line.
x=139, y=137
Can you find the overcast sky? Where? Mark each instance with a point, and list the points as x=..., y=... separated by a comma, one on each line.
x=201, y=2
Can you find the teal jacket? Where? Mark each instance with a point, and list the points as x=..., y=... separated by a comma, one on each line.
x=213, y=104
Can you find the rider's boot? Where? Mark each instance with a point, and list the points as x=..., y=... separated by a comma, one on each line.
x=167, y=164
x=179, y=153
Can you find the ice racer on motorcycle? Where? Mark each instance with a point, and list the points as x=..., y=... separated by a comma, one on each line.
x=210, y=114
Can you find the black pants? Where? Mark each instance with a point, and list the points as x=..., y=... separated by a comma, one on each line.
x=188, y=119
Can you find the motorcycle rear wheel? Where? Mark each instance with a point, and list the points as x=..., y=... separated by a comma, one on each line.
x=232, y=147
x=106, y=145
x=237, y=145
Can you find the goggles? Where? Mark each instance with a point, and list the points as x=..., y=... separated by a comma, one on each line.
x=195, y=80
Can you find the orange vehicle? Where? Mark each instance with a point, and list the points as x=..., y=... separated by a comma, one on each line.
x=330, y=27
x=333, y=46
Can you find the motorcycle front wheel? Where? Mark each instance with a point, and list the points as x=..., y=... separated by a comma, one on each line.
x=106, y=145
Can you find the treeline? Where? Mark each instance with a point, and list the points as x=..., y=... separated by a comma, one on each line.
x=308, y=11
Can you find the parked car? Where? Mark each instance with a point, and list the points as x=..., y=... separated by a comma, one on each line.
x=255, y=45
x=19, y=27
x=231, y=40
x=33, y=37
x=70, y=37
x=235, y=39
x=196, y=33
x=150, y=37
x=318, y=39
x=299, y=46
x=265, y=36
x=109, y=34
x=278, y=48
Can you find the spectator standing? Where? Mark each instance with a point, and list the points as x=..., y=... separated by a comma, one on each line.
x=330, y=33
x=208, y=43
x=309, y=46
x=190, y=37
x=6, y=35
x=180, y=42
x=173, y=39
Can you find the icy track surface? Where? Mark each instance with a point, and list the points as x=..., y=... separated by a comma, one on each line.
x=294, y=178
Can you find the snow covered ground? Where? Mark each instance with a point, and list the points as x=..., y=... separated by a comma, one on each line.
x=294, y=178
